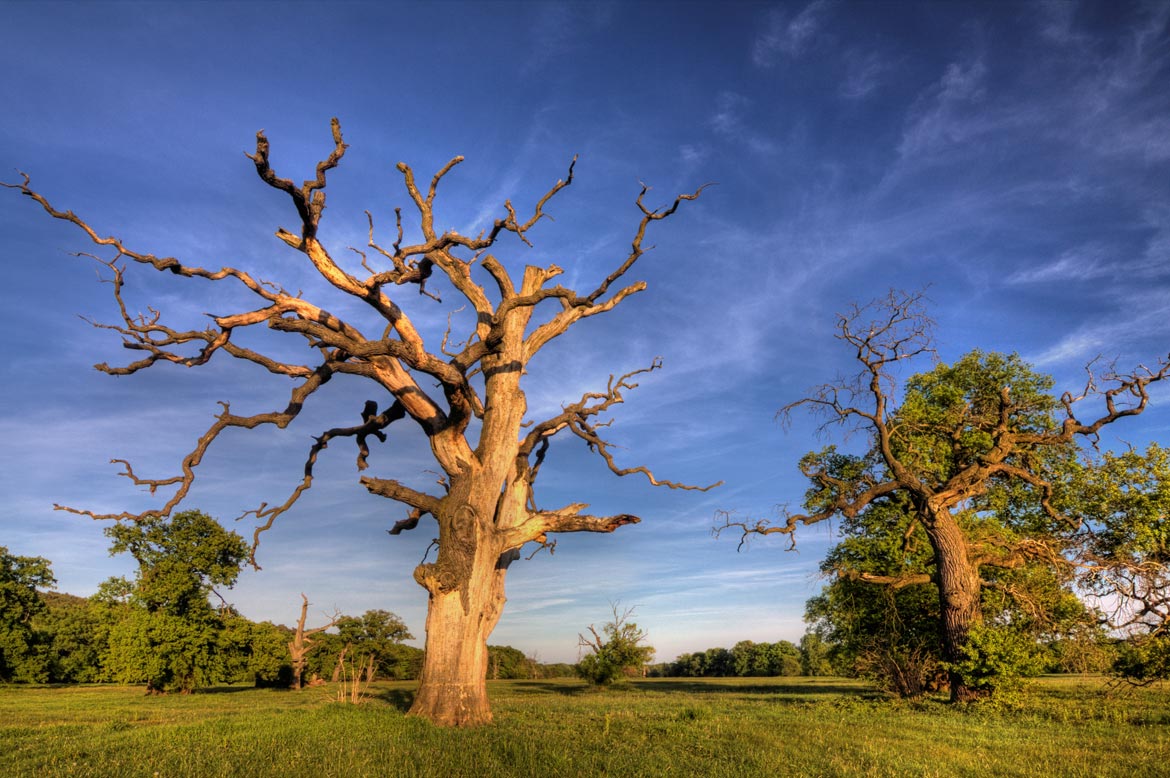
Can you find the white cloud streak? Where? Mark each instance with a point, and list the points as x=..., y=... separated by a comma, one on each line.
x=788, y=36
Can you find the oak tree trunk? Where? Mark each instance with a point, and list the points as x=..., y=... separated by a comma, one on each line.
x=958, y=594
x=462, y=611
x=485, y=499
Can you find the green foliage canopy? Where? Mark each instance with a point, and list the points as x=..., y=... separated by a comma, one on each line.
x=616, y=651
x=20, y=578
x=170, y=634
x=881, y=614
x=375, y=640
x=1124, y=500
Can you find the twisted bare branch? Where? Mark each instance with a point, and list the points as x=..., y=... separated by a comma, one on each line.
x=580, y=419
x=498, y=348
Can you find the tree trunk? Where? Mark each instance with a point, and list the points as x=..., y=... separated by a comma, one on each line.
x=958, y=594
x=466, y=588
x=369, y=669
x=298, y=663
x=453, y=688
x=487, y=496
x=337, y=668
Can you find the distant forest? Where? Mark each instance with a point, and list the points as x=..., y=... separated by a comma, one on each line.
x=69, y=641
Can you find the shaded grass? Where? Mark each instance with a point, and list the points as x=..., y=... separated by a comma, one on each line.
x=656, y=727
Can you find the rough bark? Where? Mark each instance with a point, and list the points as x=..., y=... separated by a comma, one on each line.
x=452, y=688
x=487, y=509
x=958, y=581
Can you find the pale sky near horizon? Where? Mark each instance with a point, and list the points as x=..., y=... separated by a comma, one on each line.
x=1013, y=158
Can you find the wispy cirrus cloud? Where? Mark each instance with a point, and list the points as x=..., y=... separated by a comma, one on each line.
x=728, y=117
x=863, y=74
x=1133, y=329
x=944, y=114
x=1115, y=104
x=558, y=29
x=729, y=121
x=789, y=36
x=1079, y=264
x=1055, y=21
x=691, y=154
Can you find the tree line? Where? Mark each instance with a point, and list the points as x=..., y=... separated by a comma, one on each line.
x=170, y=629
x=744, y=659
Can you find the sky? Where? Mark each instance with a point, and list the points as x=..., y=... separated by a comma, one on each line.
x=1010, y=159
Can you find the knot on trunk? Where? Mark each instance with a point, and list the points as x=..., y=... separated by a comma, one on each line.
x=426, y=576
x=438, y=580
x=452, y=570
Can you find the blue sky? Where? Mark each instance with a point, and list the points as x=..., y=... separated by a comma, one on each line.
x=1015, y=157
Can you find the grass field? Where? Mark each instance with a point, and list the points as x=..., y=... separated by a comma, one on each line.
x=655, y=727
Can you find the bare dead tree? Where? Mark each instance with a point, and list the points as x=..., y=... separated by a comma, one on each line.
x=340, y=666
x=882, y=335
x=302, y=643
x=487, y=508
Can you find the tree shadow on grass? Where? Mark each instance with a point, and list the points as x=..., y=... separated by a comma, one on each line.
x=551, y=687
x=719, y=686
x=401, y=699
x=793, y=691
x=235, y=689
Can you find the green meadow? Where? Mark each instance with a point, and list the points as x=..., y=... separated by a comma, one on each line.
x=653, y=727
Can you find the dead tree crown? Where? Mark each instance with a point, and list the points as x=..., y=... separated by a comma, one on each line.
x=461, y=381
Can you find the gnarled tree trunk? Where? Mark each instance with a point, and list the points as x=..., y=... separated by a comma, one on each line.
x=959, y=586
x=466, y=582
x=452, y=687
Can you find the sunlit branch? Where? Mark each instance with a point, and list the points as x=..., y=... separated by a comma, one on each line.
x=580, y=419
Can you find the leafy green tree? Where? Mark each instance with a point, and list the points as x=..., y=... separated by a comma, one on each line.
x=891, y=633
x=403, y=663
x=21, y=657
x=506, y=662
x=996, y=657
x=973, y=448
x=170, y=636
x=255, y=653
x=689, y=665
x=1086, y=649
x=719, y=663
x=1125, y=502
x=750, y=659
x=745, y=659
x=785, y=659
x=814, y=655
x=616, y=651
x=373, y=640
x=75, y=636
x=1144, y=659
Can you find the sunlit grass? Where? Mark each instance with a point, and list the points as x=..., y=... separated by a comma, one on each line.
x=664, y=727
